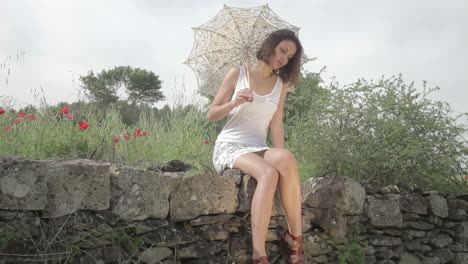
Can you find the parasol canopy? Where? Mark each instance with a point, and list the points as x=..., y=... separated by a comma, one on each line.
x=231, y=38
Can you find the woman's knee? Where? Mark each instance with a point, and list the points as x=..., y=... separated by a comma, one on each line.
x=269, y=175
x=281, y=157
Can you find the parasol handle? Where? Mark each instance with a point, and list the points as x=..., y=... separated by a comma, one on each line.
x=248, y=70
x=247, y=58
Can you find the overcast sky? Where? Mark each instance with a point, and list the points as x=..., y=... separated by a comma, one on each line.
x=62, y=39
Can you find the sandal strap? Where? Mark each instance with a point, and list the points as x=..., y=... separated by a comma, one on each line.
x=295, y=249
x=298, y=239
x=295, y=238
x=261, y=260
x=294, y=252
x=300, y=261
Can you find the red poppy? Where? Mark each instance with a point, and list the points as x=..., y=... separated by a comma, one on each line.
x=66, y=110
x=137, y=133
x=126, y=136
x=206, y=142
x=17, y=121
x=21, y=115
x=2, y=111
x=116, y=139
x=32, y=117
x=84, y=126
x=69, y=117
x=144, y=133
x=7, y=128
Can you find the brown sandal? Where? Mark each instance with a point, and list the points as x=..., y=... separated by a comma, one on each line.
x=261, y=260
x=294, y=250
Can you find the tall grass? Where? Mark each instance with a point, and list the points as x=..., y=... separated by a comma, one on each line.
x=182, y=135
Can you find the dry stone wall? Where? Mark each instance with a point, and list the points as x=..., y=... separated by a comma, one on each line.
x=82, y=211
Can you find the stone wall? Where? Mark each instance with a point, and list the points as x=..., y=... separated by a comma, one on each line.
x=82, y=211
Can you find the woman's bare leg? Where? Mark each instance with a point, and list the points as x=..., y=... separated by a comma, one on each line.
x=262, y=201
x=290, y=188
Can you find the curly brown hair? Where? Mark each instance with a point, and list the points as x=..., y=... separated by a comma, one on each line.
x=289, y=72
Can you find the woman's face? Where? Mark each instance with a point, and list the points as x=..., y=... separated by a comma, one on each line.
x=284, y=51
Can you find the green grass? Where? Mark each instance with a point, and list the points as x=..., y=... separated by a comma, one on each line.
x=178, y=135
x=352, y=254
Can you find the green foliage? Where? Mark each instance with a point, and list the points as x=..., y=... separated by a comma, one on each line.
x=384, y=131
x=140, y=85
x=28, y=109
x=352, y=254
x=8, y=236
x=171, y=134
x=182, y=135
x=307, y=100
x=143, y=86
x=435, y=220
x=119, y=236
x=300, y=104
x=100, y=88
x=130, y=113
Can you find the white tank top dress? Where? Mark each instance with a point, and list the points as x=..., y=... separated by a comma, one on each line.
x=247, y=125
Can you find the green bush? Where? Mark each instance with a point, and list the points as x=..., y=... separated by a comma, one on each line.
x=384, y=131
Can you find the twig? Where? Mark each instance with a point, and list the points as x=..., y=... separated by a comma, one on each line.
x=33, y=255
x=45, y=260
x=26, y=230
x=56, y=234
x=102, y=141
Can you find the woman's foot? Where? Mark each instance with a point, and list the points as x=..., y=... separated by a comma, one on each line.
x=261, y=260
x=294, y=243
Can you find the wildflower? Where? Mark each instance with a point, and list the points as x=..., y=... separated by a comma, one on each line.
x=137, y=133
x=32, y=117
x=22, y=115
x=7, y=128
x=69, y=117
x=17, y=121
x=127, y=136
x=84, y=126
x=2, y=111
x=116, y=139
x=206, y=142
x=65, y=110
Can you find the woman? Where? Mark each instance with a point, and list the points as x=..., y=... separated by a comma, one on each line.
x=251, y=110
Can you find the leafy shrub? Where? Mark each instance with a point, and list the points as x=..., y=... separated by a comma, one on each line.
x=385, y=131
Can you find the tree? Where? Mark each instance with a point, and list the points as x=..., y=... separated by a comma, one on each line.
x=140, y=86
x=143, y=87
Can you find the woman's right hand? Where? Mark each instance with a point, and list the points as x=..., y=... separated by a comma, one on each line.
x=223, y=102
x=243, y=96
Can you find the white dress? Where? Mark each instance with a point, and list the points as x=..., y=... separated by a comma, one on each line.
x=247, y=126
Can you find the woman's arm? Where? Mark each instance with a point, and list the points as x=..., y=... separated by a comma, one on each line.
x=222, y=103
x=276, y=123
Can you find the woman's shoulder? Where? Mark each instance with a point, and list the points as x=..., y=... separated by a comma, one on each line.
x=234, y=70
x=233, y=74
